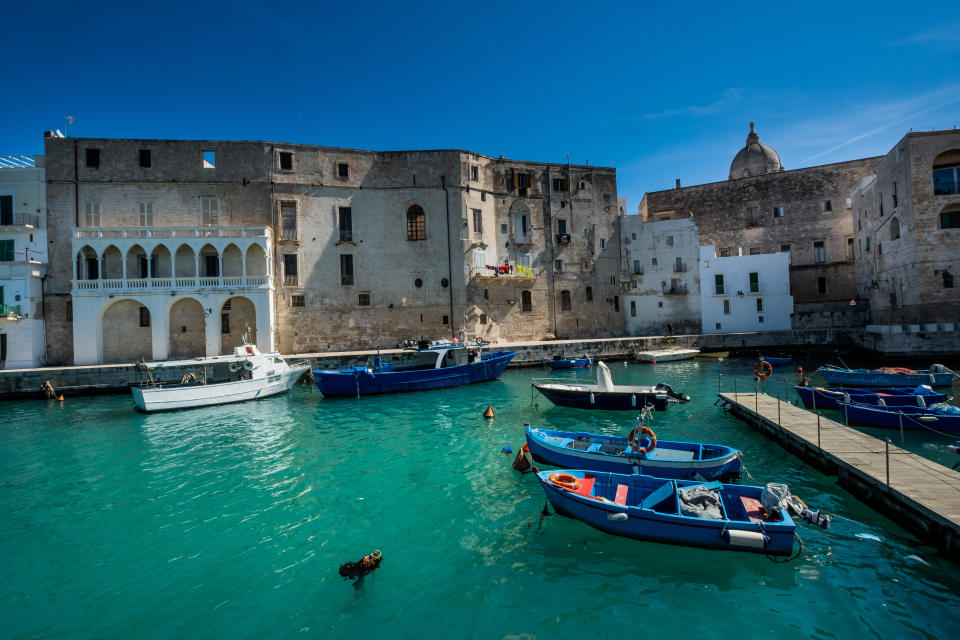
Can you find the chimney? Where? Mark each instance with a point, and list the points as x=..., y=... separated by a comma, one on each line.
x=678, y=183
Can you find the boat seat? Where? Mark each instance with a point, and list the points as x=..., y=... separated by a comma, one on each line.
x=755, y=510
x=670, y=454
x=557, y=440
x=579, y=445
x=621, y=497
x=713, y=485
x=658, y=495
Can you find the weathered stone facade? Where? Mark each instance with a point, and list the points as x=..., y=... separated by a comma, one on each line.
x=369, y=248
x=908, y=249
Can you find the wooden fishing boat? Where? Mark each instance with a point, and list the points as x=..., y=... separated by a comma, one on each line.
x=606, y=395
x=937, y=376
x=710, y=515
x=570, y=363
x=664, y=459
x=941, y=417
x=667, y=355
x=835, y=397
x=447, y=365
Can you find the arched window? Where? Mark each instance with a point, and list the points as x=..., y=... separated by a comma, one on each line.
x=946, y=173
x=565, y=300
x=894, y=229
x=526, y=301
x=416, y=223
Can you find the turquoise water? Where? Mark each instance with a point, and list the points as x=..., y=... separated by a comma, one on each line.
x=232, y=522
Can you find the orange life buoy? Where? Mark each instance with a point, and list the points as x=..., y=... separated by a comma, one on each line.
x=644, y=431
x=566, y=481
x=763, y=369
x=250, y=350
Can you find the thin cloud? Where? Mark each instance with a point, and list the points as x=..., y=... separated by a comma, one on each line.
x=725, y=102
x=942, y=34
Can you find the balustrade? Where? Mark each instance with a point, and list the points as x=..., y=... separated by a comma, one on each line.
x=144, y=284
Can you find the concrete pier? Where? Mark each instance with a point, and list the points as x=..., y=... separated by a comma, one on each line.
x=921, y=495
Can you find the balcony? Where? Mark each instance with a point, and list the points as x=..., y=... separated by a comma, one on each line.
x=522, y=238
x=563, y=238
x=504, y=271
x=98, y=233
x=289, y=233
x=172, y=284
x=676, y=291
x=679, y=268
x=9, y=311
x=29, y=220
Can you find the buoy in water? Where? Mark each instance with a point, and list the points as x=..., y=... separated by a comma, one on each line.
x=507, y=450
x=654, y=362
x=489, y=412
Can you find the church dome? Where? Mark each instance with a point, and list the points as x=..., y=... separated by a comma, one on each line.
x=755, y=159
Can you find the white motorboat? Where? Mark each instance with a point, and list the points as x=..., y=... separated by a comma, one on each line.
x=244, y=375
x=666, y=355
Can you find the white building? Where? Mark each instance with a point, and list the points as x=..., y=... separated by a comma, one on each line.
x=23, y=260
x=745, y=293
x=660, y=259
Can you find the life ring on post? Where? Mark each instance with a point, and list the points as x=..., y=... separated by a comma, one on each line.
x=763, y=369
x=643, y=431
x=566, y=481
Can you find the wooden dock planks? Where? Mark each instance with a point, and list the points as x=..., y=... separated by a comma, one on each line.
x=922, y=485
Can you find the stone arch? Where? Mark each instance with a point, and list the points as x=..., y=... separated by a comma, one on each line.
x=232, y=261
x=209, y=261
x=185, y=262
x=88, y=264
x=163, y=262
x=187, y=329
x=112, y=262
x=136, y=262
x=256, y=261
x=894, y=228
x=236, y=314
x=946, y=173
x=125, y=331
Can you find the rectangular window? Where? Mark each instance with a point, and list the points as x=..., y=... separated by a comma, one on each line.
x=486, y=294
x=827, y=206
x=724, y=253
x=849, y=248
x=759, y=305
x=483, y=318
x=821, y=285
x=561, y=226
x=679, y=267
x=760, y=319
x=589, y=291
x=726, y=307
x=345, y=220
x=483, y=196
x=653, y=261
x=754, y=282
x=209, y=159
x=879, y=248
x=343, y=170
x=946, y=182
x=346, y=269
x=477, y=221
x=521, y=180
x=144, y=317
x=558, y=265
x=69, y=310
x=778, y=212
x=6, y=251
x=446, y=320
x=949, y=220
x=868, y=244
x=93, y=158
x=637, y=269
x=474, y=172
x=145, y=213
x=145, y=160
x=6, y=211
x=881, y=204
x=297, y=301
x=363, y=300
x=895, y=197
x=209, y=211
x=565, y=300
x=718, y=284
x=753, y=216
x=819, y=252
x=755, y=251
x=290, y=275
x=559, y=184
x=224, y=323
x=285, y=161
x=91, y=214
x=633, y=308
x=669, y=241
x=288, y=221
x=606, y=197
x=603, y=243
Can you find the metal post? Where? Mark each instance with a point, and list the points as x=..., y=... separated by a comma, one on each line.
x=818, y=434
x=719, y=386
x=756, y=403
x=846, y=420
x=778, y=410
x=886, y=445
x=902, y=445
x=735, y=398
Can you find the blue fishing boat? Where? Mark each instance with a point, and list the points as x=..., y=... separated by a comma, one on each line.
x=835, y=397
x=431, y=368
x=559, y=362
x=940, y=417
x=937, y=376
x=606, y=395
x=659, y=458
x=710, y=515
x=777, y=360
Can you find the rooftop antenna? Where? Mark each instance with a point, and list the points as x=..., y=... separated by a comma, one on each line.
x=70, y=120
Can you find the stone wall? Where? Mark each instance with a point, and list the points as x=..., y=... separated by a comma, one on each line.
x=124, y=340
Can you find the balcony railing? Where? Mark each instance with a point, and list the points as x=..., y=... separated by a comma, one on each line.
x=504, y=272
x=20, y=220
x=169, y=284
x=289, y=233
x=171, y=232
x=9, y=310
x=679, y=268
x=522, y=238
x=676, y=291
x=563, y=238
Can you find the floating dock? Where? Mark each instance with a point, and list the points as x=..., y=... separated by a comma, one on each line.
x=919, y=494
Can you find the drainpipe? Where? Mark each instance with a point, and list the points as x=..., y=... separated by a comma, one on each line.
x=446, y=198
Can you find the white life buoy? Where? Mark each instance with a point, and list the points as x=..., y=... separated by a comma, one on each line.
x=248, y=365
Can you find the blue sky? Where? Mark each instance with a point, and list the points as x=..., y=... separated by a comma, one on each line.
x=660, y=90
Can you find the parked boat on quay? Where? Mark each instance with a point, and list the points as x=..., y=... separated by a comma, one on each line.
x=606, y=395
x=836, y=397
x=691, y=513
x=443, y=365
x=937, y=376
x=247, y=374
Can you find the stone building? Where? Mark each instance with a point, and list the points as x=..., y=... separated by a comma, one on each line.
x=907, y=226
x=660, y=259
x=763, y=208
x=181, y=246
x=23, y=260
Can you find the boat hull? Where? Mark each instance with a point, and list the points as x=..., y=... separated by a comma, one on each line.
x=570, y=363
x=778, y=361
x=912, y=418
x=604, y=400
x=681, y=460
x=663, y=522
x=868, y=378
x=667, y=355
x=362, y=381
x=833, y=398
x=175, y=397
